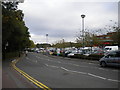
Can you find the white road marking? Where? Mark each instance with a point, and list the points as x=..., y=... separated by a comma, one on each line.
x=37, y=56
x=51, y=66
x=46, y=64
x=48, y=59
x=27, y=58
x=90, y=63
x=31, y=60
x=101, y=68
x=113, y=80
x=76, y=65
x=90, y=74
x=58, y=61
x=115, y=70
x=64, y=68
x=77, y=72
x=96, y=76
x=79, y=65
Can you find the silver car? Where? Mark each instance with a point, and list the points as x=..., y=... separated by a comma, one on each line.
x=111, y=59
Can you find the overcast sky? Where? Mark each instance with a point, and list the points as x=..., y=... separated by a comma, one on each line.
x=61, y=19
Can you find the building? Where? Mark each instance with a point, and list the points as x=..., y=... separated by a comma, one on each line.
x=106, y=39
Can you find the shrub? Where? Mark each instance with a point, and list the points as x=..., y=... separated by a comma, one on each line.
x=95, y=57
x=54, y=53
x=90, y=57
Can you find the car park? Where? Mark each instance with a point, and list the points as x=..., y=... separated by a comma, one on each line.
x=111, y=59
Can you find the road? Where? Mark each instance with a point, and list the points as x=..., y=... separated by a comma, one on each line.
x=59, y=72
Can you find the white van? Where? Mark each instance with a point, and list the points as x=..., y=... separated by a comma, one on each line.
x=111, y=48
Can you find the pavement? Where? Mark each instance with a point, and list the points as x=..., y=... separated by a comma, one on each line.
x=12, y=79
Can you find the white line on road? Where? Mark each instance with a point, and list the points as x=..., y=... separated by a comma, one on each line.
x=113, y=80
x=92, y=62
x=90, y=74
x=96, y=76
x=64, y=68
x=115, y=70
x=101, y=68
x=35, y=61
x=27, y=58
x=93, y=75
x=51, y=66
x=76, y=65
x=46, y=64
x=58, y=61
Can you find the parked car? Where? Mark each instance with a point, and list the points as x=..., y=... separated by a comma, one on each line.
x=72, y=53
x=99, y=52
x=67, y=52
x=88, y=53
x=37, y=51
x=112, y=59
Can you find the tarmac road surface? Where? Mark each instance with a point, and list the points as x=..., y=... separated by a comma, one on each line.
x=58, y=72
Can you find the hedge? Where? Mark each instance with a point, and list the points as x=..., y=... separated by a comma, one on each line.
x=90, y=57
x=81, y=56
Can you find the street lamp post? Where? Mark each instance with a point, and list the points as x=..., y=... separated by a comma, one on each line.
x=4, y=57
x=91, y=44
x=47, y=38
x=47, y=44
x=83, y=16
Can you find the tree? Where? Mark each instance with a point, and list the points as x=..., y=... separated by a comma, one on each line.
x=89, y=39
x=14, y=31
x=31, y=44
x=116, y=36
x=44, y=45
x=116, y=32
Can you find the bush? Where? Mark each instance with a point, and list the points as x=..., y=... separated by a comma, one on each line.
x=62, y=54
x=11, y=55
x=90, y=57
x=54, y=53
x=95, y=57
x=81, y=56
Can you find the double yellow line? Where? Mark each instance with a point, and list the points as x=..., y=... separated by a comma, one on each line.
x=39, y=84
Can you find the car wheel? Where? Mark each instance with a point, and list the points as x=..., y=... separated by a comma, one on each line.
x=103, y=64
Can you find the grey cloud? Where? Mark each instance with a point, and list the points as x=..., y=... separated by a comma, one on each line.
x=62, y=19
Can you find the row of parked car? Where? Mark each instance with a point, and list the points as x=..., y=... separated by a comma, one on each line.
x=84, y=52
x=111, y=54
x=110, y=58
x=91, y=50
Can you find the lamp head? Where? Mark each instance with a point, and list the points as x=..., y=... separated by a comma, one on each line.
x=82, y=15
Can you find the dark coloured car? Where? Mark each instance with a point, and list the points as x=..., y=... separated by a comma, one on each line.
x=111, y=59
x=100, y=52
